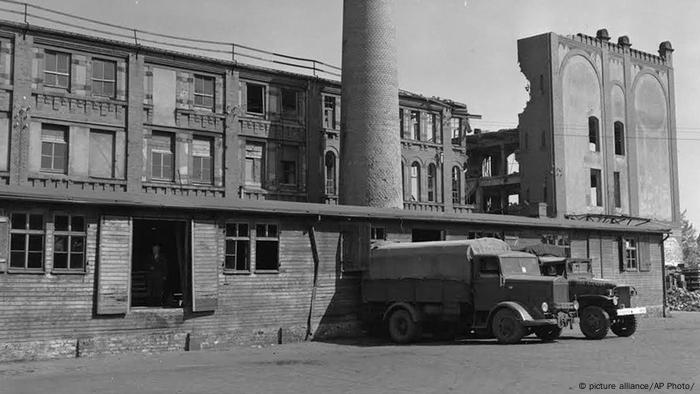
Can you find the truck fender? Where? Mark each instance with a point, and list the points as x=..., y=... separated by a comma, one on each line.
x=514, y=306
x=402, y=305
x=600, y=300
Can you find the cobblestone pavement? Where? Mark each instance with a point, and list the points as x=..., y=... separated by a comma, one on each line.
x=662, y=351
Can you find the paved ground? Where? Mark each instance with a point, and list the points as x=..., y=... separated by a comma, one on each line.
x=663, y=351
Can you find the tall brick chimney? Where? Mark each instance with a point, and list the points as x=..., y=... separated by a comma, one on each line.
x=370, y=157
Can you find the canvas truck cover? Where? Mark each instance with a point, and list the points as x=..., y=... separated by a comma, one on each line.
x=430, y=260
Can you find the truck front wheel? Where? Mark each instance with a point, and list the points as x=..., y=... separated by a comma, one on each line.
x=506, y=326
x=595, y=322
x=624, y=326
x=402, y=328
x=548, y=333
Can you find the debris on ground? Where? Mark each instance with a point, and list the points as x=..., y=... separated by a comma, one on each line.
x=683, y=300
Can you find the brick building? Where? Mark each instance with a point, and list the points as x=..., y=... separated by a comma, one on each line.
x=109, y=148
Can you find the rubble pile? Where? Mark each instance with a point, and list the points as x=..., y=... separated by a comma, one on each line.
x=683, y=300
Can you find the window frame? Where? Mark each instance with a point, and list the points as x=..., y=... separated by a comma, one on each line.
x=27, y=232
x=258, y=239
x=456, y=180
x=331, y=184
x=377, y=233
x=431, y=178
x=236, y=238
x=55, y=72
x=415, y=126
x=415, y=191
x=103, y=81
x=456, y=125
x=262, y=166
x=624, y=259
x=202, y=95
x=160, y=151
x=263, y=104
x=66, y=136
x=619, y=138
x=113, y=135
x=195, y=158
x=599, y=188
x=593, y=134
x=329, y=118
x=70, y=233
x=617, y=189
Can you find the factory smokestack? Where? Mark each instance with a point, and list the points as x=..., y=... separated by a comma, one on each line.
x=370, y=169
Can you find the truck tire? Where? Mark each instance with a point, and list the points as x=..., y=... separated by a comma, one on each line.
x=402, y=328
x=624, y=326
x=548, y=333
x=595, y=322
x=507, y=327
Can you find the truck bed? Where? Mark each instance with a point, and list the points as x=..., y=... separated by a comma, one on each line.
x=416, y=290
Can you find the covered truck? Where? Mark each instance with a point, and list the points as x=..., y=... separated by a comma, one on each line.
x=467, y=285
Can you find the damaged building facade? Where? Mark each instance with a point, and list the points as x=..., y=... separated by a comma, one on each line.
x=108, y=148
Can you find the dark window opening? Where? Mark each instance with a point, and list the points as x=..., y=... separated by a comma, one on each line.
x=432, y=176
x=378, y=233
x=159, y=273
x=619, y=139
x=596, y=191
x=255, y=99
x=330, y=173
x=27, y=242
x=618, y=197
x=237, y=247
x=489, y=266
x=69, y=243
x=266, y=247
x=424, y=235
x=289, y=102
x=593, y=134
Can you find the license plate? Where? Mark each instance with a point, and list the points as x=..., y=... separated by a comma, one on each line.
x=632, y=311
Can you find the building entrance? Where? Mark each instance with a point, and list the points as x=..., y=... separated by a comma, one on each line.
x=159, y=263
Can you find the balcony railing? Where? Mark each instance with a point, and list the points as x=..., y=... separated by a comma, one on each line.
x=423, y=206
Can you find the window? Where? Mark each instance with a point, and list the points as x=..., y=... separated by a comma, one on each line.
x=162, y=157
x=330, y=173
x=377, y=234
x=204, y=91
x=402, y=124
x=415, y=182
x=266, y=247
x=289, y=165
x=456, y=185
x=489, y=266
x=69, y=243
x=255, y=99
x=593, y=134
x=27, y=241
x=596, y=189
x=616, y=185
x=415, y=125
x=456, y=128
x=619, y=139
x=101, y=154
x=486, y=166
x=237, y=247
x=432, y=170
x=431, y=128
x=629, y=254
x=331, y=119
x=561, y=240
x=254, y=163
x=513, y=165
x=202, y=163
x=57, y=69
x=289, y=102
x=104, y=78
x=54, y=148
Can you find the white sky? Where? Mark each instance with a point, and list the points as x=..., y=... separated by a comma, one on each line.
x=463, y=50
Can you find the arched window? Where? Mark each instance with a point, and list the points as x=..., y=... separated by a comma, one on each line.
x=513, y=165
x=593, y=134
x=619, y=138
x=431, y=182
x=330, y=173
x=415, y=181
x=456, y=185
x=486, y=167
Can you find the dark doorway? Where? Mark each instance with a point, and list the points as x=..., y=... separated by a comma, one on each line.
x=423, y=235
x=159, y=263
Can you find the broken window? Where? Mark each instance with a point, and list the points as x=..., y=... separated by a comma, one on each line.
x=204, y=91
x=266, y=247
x=289, y=165
x=330, y=173
x=486, y=167
x=162, y=156
x=432, y=170
x=26, y=241
x=202, y=163
x=255, y=99
x=456, y=128
x=402, y=124
x=289, y=102
x=513, y=165
x=104, y=77
x=616, y=186
x=456, y=185
x=432, y=128
x=331, y=118
x=629, y=254
x=254, y=163
x=596, y=189
x=69, y=243
x=415, y=125
x=593, y=134
x=377, y=234
x=101, y=154
x=513, y=199
x=415, y=182
x=57, y=69
x=237, y=247
x=54, y=148
x=619, y=138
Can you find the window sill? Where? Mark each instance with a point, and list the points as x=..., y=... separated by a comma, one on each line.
x=68, y=272
x=236, y=272
x=267, y=272
x=25, y=271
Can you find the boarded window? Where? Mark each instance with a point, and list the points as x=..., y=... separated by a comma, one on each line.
x=205, y=277
x=69, y=243
x=254, y=163
x=266, y=247
x=237, y=247
x=255, y=99
x=57, y=69
x=162, y=157
x=101, y=154
x=26, y=242
x=104, y=78
x=202, y=162
x=54, y=148
x=204, y=91
x=113, y=265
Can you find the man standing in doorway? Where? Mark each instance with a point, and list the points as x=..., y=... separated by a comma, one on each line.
x=158, y=266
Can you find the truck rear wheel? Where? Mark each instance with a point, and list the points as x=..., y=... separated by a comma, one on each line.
x=506, y=326
x=595, y=322
x=624, y=326
x=548, y=333
x=402, y=328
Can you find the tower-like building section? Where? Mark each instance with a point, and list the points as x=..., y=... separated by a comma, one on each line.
x=370, y=157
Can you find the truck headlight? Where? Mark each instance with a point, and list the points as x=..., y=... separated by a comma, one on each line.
x=544, y=307
x=615, y=300
x=576, y=304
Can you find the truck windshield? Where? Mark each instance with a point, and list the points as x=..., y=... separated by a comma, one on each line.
x=520, y=265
